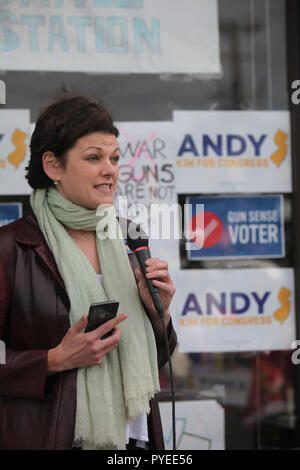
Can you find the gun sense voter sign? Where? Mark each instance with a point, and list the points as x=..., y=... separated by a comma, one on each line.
x=238, y=227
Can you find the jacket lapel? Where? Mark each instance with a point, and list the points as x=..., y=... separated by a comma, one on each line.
x=30, y=234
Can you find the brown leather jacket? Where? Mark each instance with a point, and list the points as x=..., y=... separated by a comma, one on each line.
x=38, y=411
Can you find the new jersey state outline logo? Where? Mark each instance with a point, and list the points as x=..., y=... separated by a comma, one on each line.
x=283, y=312
x=280, y=154
x=18, y=154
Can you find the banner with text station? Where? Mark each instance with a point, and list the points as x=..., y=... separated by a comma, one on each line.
x=111, y=36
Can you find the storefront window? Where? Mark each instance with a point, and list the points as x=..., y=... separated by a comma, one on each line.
x=256, y=388
x=248, y=275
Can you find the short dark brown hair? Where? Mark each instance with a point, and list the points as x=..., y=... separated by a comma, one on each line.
x=58, y=128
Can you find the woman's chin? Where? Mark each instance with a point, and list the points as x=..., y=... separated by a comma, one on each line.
x=107, y=201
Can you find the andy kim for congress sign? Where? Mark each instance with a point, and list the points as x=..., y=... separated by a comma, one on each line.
x=235, y=310
x=232, y=151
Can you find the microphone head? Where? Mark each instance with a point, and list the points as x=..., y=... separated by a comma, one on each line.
x=137, y=238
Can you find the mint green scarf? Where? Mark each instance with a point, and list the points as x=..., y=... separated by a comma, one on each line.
x=118, y=390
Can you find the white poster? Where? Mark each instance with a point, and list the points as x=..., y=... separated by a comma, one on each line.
x=235, y=310
x=200, y=425
x=125, y=36
x=234, y=384
x=146, y=190
x=233, y=151
x=14, y=132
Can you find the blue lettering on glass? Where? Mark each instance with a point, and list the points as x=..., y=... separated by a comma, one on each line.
x=118, y=3
x=235, y=144
x=79, y=3
x=260, y=302
x=234, y=309
x=11, y=40
x=188, y=145
x=141, y=32
x=57, y=33
x=211, y=300
x=208, y=142
x=239, y=303
x=191, y=305
x=80, y=22
x=33, y=21
x=130, y=3
x=99, y=34
x=257, y=144
x=103, y=3
x=111, y=24
x=44, y=3
x=230, y=139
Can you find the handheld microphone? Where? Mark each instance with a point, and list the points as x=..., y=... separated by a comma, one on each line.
x=140, y=248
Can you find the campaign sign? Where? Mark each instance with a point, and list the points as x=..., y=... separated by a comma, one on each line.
x=9, y=212
x=237, y=227
x=233, y=151
x=14, y=154
x=227, y=310
x=146, y=190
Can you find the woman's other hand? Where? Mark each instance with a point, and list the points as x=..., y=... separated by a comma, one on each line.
x=157, y=270
x=79, y=349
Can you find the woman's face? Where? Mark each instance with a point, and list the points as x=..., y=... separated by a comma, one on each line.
x=91, y=173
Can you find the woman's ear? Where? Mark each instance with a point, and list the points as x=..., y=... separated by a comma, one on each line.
x=52, y=166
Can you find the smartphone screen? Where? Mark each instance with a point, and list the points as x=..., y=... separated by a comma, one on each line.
x=100, y=313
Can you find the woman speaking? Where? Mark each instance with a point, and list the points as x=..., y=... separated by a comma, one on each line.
x=62, y=387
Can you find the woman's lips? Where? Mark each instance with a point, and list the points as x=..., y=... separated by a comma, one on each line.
x=105, y=187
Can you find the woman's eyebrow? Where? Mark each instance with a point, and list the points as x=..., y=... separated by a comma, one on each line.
x=99, y=148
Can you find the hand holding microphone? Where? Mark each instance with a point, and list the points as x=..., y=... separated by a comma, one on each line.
x=156, y=290
x=155, y=285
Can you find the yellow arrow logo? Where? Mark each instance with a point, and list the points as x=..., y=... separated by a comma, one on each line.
x=280, y=154
x=282, y=313
x=16, y=157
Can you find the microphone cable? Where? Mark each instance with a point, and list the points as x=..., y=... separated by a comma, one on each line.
x=140, y=248
x=171, y=384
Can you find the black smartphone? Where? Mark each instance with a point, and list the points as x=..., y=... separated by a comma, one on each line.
x=100, y=313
